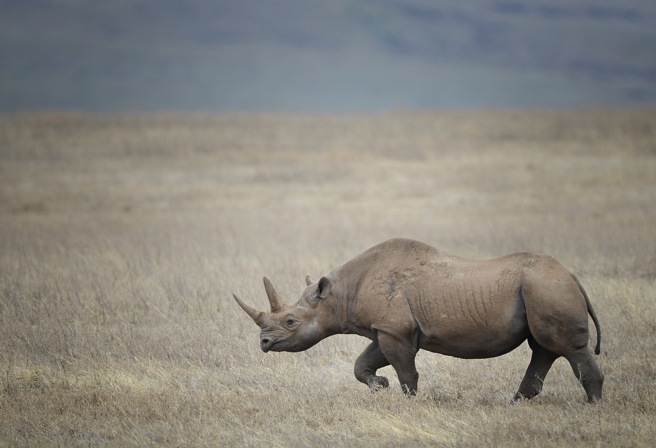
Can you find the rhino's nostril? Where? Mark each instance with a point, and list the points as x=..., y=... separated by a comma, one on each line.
x=265, y=344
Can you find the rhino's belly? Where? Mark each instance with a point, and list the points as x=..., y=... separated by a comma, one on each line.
x=468, y=342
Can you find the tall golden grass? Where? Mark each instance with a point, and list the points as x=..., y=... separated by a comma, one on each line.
x=123, y=238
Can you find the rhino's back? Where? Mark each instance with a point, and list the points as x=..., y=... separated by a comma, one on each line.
x=398, y=252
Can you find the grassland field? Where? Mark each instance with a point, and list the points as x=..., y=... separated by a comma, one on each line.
x=123, y=237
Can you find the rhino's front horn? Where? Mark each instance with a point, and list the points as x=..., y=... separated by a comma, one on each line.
x=255, y=314
x=274, y=298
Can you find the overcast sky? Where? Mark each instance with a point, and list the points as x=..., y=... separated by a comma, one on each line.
x=338, y=55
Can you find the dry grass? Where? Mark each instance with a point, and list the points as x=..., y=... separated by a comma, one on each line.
x=123, y=237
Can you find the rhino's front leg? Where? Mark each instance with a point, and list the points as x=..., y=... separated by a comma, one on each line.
x=368, y=363
x=401, y=354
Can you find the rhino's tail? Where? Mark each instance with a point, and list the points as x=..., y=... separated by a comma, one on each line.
x=592, y=314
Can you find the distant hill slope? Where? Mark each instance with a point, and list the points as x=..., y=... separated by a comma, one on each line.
x=337, y=55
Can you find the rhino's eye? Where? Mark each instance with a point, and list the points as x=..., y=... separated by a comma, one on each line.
x=290, y=322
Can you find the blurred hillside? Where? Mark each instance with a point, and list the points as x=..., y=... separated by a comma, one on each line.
x=337, y=55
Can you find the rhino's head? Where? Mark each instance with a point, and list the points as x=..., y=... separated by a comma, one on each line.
x=293, y=328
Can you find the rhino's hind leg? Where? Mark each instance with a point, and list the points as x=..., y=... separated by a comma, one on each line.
x=541, y=361
x=368, y=363
x=588, y=373
x=584, y=366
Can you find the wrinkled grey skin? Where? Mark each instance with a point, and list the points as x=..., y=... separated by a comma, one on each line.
x=405, y=295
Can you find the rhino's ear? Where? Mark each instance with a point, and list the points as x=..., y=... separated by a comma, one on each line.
x=324, y=287
x=308, y=280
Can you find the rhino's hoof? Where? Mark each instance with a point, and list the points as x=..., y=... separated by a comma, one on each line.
x=378, y=382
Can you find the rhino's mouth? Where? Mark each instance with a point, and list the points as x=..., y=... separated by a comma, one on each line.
x=276, y=345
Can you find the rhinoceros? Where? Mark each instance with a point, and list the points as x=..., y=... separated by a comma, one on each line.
x=405, y=296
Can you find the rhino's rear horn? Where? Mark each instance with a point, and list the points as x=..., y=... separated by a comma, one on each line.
x=274, y=298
